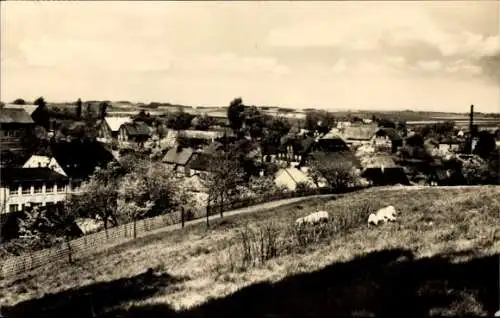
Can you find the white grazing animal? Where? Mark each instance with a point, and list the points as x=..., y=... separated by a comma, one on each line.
x=313, y=218
x=387, y=214
x=373, y=219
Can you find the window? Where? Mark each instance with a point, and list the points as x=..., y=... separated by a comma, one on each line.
x=49, y=188
x=60, y=188
x=38, y=188
x=13, y=208
x=13, y=190
x=26, y=189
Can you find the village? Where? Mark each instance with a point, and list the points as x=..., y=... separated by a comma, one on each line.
x=47, y=153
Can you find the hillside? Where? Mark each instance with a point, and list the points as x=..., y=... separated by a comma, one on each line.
x=439, y=258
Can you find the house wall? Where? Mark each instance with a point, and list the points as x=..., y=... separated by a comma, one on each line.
x=12, y=199
x=11, y=135
x=283, y=179
x=104, y=132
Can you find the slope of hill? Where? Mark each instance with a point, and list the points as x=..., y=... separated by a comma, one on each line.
x=439, y=258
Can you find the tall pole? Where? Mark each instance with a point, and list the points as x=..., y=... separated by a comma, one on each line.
x=471, y=126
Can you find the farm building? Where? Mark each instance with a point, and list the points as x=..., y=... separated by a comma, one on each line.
x=109, y=128
x=178, y=157
x=291, y=177
x=380, y=169
x=359, y=134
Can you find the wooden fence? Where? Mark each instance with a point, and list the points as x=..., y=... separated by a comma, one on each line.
x=88, y=244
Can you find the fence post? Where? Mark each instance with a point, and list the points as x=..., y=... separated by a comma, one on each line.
x=182, y=216
x=208, y=213
x=70, y=258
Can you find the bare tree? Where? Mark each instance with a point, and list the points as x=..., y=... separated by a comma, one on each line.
x=222, y=178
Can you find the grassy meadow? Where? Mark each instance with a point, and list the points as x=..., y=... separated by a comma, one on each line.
x=439, y=258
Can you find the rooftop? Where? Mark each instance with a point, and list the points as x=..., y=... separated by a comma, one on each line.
x=115, y=123
x=179, y=156
x=19, y=175
x=15, y=115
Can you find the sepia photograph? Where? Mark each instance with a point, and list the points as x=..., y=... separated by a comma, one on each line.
x=273, y=159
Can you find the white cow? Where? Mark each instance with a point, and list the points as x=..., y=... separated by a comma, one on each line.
x=387, y=214
x=313, y=218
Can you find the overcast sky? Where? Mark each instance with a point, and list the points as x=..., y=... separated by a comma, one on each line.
x=367, y=55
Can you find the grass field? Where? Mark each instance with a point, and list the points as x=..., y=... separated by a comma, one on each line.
x=439, y=258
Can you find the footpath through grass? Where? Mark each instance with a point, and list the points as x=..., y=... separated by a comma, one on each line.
x=439, y=258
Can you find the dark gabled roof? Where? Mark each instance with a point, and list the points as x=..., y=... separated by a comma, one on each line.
x=79, y=159
x=339, y=156
x=305, y=145
x=15, y=115
x=389, y=132
x=137, y=129
x=20, y=175
x=200, y=161
x=179, y=156
x=332, y=144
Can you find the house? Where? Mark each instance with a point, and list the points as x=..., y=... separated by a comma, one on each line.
x=109, y=128
x=449, y=145
x=380, y=169
x=331, y=142
x=135, y=132
x=291, y=177
x=79, y=160
x=36, y=161
x=15, y=125
x=387, y=139
x=178, y=158
x=359, y=134
x=199, y=163
x=35, y=186
x=39, y=114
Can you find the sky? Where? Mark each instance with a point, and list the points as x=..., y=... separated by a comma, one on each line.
x=392, y=55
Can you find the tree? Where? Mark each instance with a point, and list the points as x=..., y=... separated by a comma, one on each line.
x=235, y=114
x=221, y=181
x=40, y=102
x=254, y=121
x=320, y=121
x=339, y=173
x=19, y=101
x=98, y=197
x=103, y=106
x=475, y=171
x=42, y=227
x=79, y=109
x=133, y=200
x=180, y=121
x=485, y=145
x=386, y=123
x=203, y=122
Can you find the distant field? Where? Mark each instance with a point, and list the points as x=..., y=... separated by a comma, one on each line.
x=439, y=258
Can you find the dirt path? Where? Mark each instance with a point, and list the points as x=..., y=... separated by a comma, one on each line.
x=250, y=209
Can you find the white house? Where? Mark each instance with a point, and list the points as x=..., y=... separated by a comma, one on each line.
x=290, y=177
x=20, y=187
